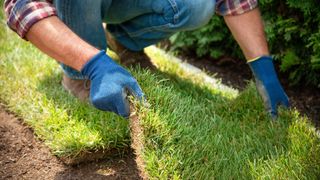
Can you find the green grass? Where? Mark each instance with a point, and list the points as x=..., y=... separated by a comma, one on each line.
x=192, y=130
x=196, y=131
x=30, y=86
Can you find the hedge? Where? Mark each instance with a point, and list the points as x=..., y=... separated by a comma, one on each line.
x=293, y=34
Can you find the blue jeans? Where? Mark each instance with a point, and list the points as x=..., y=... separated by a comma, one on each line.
x=135, y=24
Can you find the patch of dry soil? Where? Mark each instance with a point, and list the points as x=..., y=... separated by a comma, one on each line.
x=22, y=156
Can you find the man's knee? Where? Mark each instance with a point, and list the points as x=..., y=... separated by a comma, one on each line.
x=200, y=13
x=189, y=14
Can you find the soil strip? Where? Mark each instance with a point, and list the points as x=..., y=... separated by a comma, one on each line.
x=23, y=156
x=137, y=143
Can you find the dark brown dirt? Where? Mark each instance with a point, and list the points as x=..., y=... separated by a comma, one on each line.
x=236, y=73
x=137, y=144
x=22, y=156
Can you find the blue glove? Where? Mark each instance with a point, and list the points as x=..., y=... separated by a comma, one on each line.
x=268, y=84
x=110, y=84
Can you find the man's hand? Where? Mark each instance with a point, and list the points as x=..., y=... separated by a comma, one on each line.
x=109, y=81
x=110, y=84
x=268, y=84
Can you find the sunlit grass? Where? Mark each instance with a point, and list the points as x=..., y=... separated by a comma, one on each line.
x=30, y=86
x=201, y=131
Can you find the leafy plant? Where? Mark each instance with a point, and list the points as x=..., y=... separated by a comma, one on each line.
x=293, y=32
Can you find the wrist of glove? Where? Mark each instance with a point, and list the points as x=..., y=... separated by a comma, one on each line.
x=268, y=84
x=110, y=84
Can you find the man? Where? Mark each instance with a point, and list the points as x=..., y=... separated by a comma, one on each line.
x=71, y=32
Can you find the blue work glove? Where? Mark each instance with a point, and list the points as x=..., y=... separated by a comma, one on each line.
x=268, y=84
x=109, y=84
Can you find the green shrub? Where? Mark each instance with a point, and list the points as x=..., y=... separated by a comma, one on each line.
x=293, y=34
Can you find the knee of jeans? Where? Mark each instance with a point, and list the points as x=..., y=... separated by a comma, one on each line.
x=84, y=19
x=199, y=14
x=188, y=14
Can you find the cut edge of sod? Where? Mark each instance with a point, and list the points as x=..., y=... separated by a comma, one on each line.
x=137, y=144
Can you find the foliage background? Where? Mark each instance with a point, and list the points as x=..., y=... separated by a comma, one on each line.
x=293, y=33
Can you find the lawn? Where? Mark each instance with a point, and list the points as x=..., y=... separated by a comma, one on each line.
x=30, y=86
x=192, y=129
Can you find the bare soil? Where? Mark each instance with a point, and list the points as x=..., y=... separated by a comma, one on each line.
x=137, y=144
x=23, y=156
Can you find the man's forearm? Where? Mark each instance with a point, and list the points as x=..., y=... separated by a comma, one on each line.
x=248, y=30
x=55, y=39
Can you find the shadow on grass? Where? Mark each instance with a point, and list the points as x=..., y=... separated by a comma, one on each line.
x=94, y=120
x=239, y=129
x=117, y=162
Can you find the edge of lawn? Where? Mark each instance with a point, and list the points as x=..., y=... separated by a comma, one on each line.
x=30, y=87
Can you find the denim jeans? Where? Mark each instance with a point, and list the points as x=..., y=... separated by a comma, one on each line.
x=135, y=24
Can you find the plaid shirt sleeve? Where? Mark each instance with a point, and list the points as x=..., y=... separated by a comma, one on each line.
x=235, y=7
x=22, y=14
